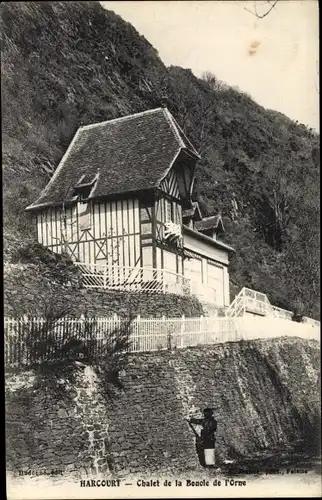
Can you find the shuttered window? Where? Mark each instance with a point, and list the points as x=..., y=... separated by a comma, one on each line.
x=84, y=216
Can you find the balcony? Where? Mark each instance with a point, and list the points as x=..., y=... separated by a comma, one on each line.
x=133, y=279
x=256, y=303
x=141, y=279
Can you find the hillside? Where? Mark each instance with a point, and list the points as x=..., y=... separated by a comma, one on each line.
x=66, y=64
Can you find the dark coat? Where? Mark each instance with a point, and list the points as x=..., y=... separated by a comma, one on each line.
x=209, y=427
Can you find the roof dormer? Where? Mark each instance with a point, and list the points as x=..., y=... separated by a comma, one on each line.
x=192, y=213
x=84, y=188
x=211, y=226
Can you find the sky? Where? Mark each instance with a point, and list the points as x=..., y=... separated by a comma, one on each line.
x=274, y=59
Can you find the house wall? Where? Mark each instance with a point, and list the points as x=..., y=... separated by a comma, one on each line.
x=124, y=232
x=168, y=209
x=131, y=232
x=206, y=249
x=94, y=232
x=213, y=265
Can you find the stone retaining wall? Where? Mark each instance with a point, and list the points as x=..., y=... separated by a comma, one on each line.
x=265, y=395
x=27, y=291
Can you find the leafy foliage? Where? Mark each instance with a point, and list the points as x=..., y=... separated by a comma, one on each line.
x=66, y=64
x=55, y=354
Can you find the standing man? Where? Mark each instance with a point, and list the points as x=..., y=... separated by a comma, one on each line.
x=207, y=437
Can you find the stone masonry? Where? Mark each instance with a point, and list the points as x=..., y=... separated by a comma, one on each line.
x=265, y=395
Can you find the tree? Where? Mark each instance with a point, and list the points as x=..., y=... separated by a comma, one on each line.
x=214, y=82
x=262, y=9
x=302, y=265
x=277, y=196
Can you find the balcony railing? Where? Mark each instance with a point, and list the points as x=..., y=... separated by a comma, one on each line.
x=134, y=279
x=257, y=303
x=143, y=279
x=282, y=313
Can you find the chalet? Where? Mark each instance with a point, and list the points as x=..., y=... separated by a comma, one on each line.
x=120, y=204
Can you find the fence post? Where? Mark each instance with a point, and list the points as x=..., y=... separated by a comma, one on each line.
x=163, y=330
x=244, y=302
x=182, y=331
x=115, y=318
x=104, y=277
x=201, y=329
x=27, y=322
x=81, y=324
x=138, y=336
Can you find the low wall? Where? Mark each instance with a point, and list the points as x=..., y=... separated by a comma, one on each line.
x=265, y=395
x=27, y=291
x=250, y=327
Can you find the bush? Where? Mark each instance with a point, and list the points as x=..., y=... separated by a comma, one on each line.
x=56, y=349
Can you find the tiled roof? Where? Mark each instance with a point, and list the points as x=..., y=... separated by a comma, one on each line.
x=190, y=212
x=127, y=154
x=212, y=222
x=204, y=237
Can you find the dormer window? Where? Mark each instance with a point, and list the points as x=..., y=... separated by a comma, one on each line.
x=191, y=214
x=172, y=230
x=83, y=191
x=84, y=187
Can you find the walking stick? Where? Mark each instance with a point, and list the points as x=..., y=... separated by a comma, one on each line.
x=194, y=431
x=199, y=444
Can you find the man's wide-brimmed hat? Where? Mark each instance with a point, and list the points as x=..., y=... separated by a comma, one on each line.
x=208, y=410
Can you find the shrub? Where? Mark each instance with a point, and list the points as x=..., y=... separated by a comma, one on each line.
x=56, y=348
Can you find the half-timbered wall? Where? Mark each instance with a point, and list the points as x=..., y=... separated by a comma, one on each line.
x=168, y=209
x=131, y=232
x=147, y=222
x=94, y=232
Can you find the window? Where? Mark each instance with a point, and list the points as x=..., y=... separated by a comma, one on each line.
x=173, y=212
x=84, y=215
x=170, y=211
x=83, y=192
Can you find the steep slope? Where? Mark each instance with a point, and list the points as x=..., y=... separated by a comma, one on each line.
x=65, y=64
